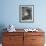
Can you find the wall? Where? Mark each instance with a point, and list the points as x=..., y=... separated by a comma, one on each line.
x=10, y=13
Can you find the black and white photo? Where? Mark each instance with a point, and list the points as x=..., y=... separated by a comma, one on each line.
x=26, y=13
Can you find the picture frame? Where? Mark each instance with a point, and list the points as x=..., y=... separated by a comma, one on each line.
x=26, y=13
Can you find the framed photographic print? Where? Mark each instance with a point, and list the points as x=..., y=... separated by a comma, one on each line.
x=26, y=13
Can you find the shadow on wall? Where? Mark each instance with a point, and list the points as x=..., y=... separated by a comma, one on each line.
x=2, y=26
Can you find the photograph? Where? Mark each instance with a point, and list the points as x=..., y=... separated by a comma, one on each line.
x=26, y=13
